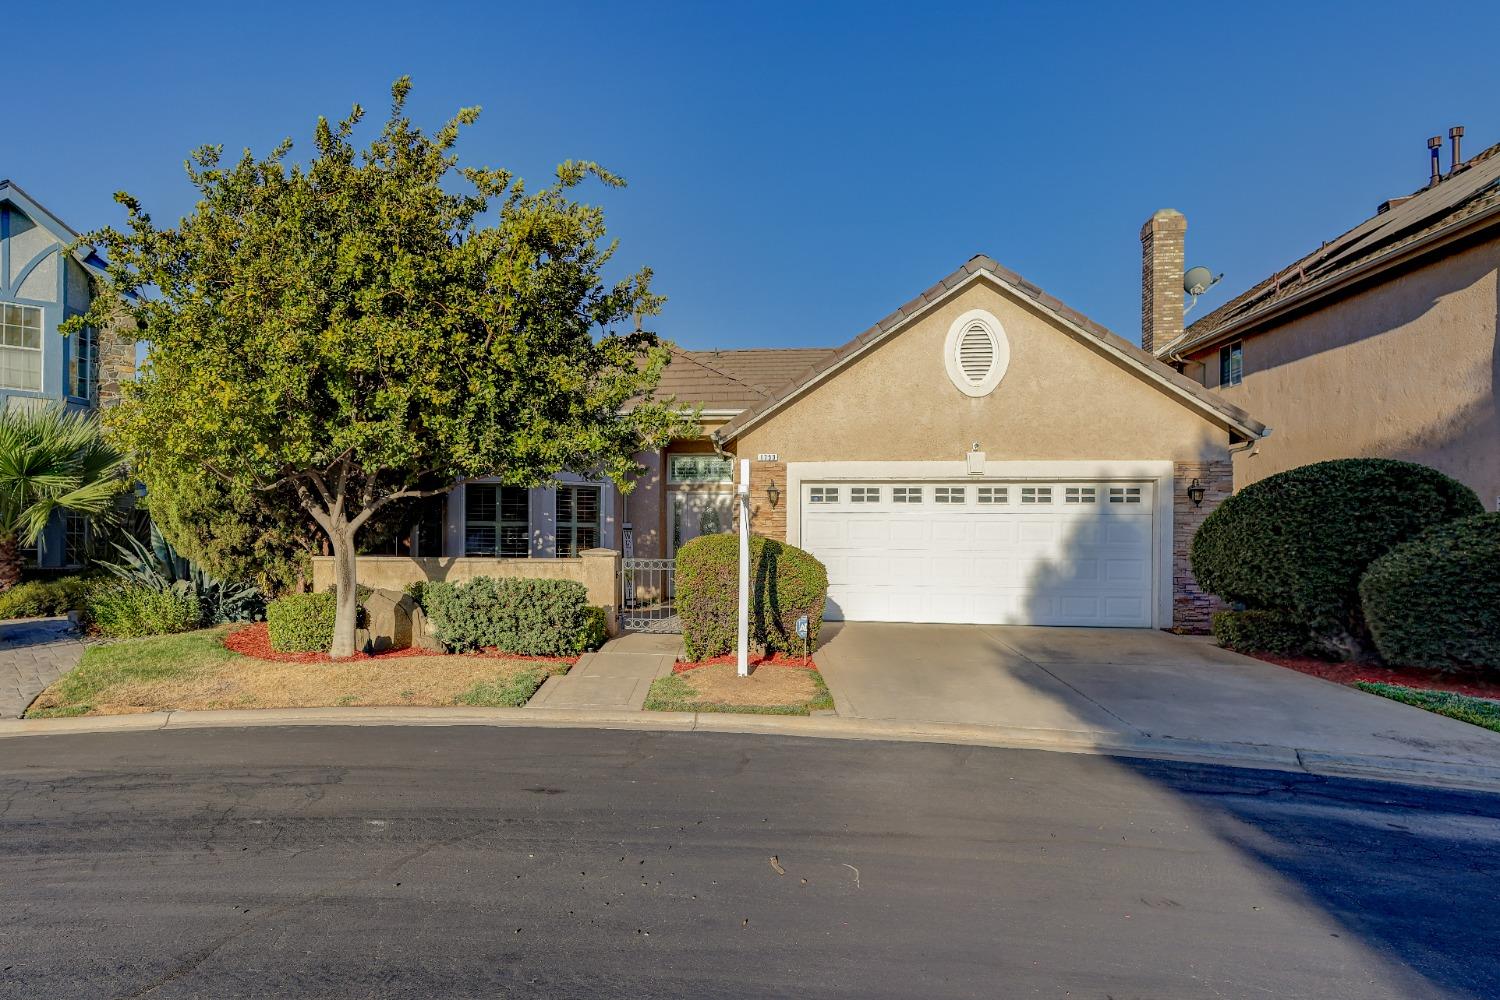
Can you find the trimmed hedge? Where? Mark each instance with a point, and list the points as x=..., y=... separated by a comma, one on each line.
x=302, y=623
x=786, y=584
x=523, y=616
x=1260, y=632
x=1300, y=540
x=35, y=598
x=128, y=612
x=1435, y=601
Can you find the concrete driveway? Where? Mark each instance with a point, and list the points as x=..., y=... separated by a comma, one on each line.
x=1129, y=682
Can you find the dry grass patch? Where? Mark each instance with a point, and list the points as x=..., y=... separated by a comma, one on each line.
x=769, y=690
x=195, y=671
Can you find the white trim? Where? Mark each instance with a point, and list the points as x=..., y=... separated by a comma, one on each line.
x=1157, y=472
x=999, y=343
x=1205, y=408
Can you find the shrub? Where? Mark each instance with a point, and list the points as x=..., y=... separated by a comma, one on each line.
x=1299, y=541
x=1260, y=632
x=302, y=623
x=45, y=597
x=527, y=617
x=786, y=583
x=594, y=631
x=1435, y=600
x=127, y=612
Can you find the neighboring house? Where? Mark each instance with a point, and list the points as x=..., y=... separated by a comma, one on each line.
x=982, y=455
x=1382, y=342
x=41, y=285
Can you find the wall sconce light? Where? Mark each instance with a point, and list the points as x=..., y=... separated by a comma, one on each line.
x=1196, y=492
x=772, y=493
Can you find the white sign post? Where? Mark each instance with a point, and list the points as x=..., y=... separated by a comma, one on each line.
x=742, y=647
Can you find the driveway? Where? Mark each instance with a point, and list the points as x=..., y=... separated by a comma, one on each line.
x=1130, y=682
x=34, y=653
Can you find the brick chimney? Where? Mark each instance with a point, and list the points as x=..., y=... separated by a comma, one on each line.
x=1161, y=278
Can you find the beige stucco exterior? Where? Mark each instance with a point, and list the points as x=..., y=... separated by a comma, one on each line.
x=1406, y=368
x=1060, y=399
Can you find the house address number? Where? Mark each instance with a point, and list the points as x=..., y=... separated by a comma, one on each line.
x=767, y=456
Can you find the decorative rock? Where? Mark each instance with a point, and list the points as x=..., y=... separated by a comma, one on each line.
x=388, y=621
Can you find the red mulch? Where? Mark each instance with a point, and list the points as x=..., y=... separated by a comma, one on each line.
x=255, y=640
x=1348, y=673
x=774, y=660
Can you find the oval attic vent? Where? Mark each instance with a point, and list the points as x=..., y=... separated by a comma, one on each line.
x=976, y=353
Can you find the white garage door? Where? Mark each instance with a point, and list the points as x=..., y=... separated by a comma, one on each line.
x=990, y=553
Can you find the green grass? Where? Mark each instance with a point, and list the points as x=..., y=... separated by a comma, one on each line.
x=674, y=694
x=153, y=658
x=1465, y=708
x=510, y=692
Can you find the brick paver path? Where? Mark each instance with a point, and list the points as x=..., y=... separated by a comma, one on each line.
x=33, y=654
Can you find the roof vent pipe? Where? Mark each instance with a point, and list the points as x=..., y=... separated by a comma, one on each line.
x=1455, y=134
x=1433, y=146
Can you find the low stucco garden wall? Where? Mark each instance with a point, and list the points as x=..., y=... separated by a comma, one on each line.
x=597, y=569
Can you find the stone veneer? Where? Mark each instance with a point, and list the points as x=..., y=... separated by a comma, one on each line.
x=765, y=519
x=116, y=359
x=1192, y=607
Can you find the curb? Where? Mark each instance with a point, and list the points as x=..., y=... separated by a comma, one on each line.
x=1404, y=770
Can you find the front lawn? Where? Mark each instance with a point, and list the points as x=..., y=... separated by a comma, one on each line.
x=771, y=689
x=195, y=671
x=1466, y=708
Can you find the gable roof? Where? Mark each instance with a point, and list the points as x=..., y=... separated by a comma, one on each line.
x=1465, y=200
x=1207, y=402
x=734, y=380
x=38, y=213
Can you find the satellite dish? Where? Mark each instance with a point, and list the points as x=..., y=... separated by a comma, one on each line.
x=1195, y=282
x=1199, y=280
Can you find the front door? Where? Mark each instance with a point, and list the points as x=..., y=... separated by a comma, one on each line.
x=699, y=512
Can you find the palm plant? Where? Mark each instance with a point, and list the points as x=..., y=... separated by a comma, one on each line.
x=50, y=460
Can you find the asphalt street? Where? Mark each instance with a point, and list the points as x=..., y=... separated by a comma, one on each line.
x=486, y=862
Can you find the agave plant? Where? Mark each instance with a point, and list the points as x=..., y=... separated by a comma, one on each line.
x=158, y=566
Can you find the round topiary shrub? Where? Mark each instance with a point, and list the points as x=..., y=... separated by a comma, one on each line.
x=1260, y=632
x=1300, y=540
x=786, y=583
x=1435, y=600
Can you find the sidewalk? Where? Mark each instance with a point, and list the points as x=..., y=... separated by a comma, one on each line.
x=615, y=679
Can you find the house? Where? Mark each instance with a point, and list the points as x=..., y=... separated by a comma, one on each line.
x=1381, y=342
x=984, y=454
x=41, y=285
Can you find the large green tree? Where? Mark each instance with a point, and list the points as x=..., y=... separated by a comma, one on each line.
x=373, y=325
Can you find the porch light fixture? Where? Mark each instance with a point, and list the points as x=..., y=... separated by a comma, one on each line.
x=772, y=493
x=1196, y=492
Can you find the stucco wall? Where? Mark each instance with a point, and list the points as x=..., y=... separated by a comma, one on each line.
x=1060, y=399
x=597, y=569
x=1405, y=369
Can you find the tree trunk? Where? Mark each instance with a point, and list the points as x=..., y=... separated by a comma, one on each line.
x=10, y=561
x=345, y=581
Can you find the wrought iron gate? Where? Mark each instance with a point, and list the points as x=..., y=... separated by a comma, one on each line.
x=647, y=592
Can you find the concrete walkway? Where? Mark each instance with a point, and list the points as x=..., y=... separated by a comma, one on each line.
x=1125, y=684
x=615, y=679
x=33, y=653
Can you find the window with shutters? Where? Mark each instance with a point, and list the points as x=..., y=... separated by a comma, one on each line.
x=577, y=520
x=977, y=353
x=497, y=521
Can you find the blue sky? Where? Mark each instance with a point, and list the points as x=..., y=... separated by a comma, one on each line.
x=798, y=171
